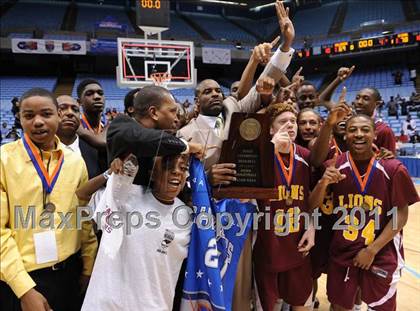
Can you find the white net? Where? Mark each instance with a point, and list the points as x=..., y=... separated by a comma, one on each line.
x=161, y=79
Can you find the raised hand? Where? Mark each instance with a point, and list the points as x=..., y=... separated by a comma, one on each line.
x=339, y=112
x=262, y=52
x=297, y=78
x=344, y=72
x=286, y=26
x=265, y=85
x=281, y=139
x=332, y=175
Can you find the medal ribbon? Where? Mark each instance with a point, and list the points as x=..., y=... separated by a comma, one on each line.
x=87, y=125
x=48, y=182
x=337, y=149
x=286, y=176
x=362, y=182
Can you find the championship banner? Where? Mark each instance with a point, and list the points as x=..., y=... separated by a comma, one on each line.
x=216, y=56
x=110, y=23
x=41, y=46
x=214, y=251
x=101, y=46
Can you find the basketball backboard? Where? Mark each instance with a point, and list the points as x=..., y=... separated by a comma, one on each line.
x=141, y=61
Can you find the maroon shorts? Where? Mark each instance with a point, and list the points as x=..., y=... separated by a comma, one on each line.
x=321, y=249
x=294, y=286
x=379, y=294
x=319, y=254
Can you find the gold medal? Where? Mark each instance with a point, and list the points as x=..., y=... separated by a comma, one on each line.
x=49, y=207
x=289, y=201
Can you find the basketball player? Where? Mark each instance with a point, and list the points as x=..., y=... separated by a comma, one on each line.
x=309, y=124
x=331, y=136
x=366, y=247
x=282, y=269
x=365, y=103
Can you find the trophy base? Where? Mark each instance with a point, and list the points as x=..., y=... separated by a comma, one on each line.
x=245, y=193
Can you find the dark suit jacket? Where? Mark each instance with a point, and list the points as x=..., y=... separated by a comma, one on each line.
x=125, y=135
x=95, y=160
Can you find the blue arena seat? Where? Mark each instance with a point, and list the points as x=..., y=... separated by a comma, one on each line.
x=22, y=13
x=304, y=20
x=11, y=86
x=221, y=28
x=88, y=15
x=367, y=10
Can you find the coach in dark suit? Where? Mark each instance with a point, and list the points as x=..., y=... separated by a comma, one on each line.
x=69, y=111
x=149, y=133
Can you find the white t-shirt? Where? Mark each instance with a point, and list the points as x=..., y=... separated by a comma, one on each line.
x=144, y=272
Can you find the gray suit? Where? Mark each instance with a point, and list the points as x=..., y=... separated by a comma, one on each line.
x=199, y=131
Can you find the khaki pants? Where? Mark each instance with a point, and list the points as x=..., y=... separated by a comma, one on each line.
x=242, y=293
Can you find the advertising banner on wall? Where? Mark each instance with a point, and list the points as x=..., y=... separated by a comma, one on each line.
x=216, y=56
x=41, y=46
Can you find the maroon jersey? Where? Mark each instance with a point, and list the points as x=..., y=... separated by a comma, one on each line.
x=276, y=249
x=384, y=136
x=390, y=185
x=301, y=142
x=334, y=148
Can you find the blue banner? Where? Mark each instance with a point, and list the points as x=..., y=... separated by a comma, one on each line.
x=217, y=238
x=102, y=46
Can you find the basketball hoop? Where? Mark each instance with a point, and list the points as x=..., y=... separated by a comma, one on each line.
x=161, y=78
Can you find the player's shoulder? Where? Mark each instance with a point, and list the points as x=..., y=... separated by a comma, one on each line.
x=303, y=154
x=390, y=167
x=381, y=126
x=342, y=161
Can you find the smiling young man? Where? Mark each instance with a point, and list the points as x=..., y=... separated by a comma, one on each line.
x=366, y=101
x=282, y=267
x=307, y=96
x=40, y=262
x=143, y=273
x=309, y=124
x=366, y=248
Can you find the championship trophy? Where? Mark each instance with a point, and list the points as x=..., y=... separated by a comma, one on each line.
x=249, y=147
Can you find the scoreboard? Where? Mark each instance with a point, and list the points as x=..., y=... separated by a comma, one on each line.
x=365, y=44
x=152, y=13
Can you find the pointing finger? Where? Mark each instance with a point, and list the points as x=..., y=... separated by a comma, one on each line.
x=343, y=94
x=275, y=41
x=351, y=70
x=299, y=71
x=334, y=160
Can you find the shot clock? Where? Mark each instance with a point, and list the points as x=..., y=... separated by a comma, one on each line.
x=153, y=13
